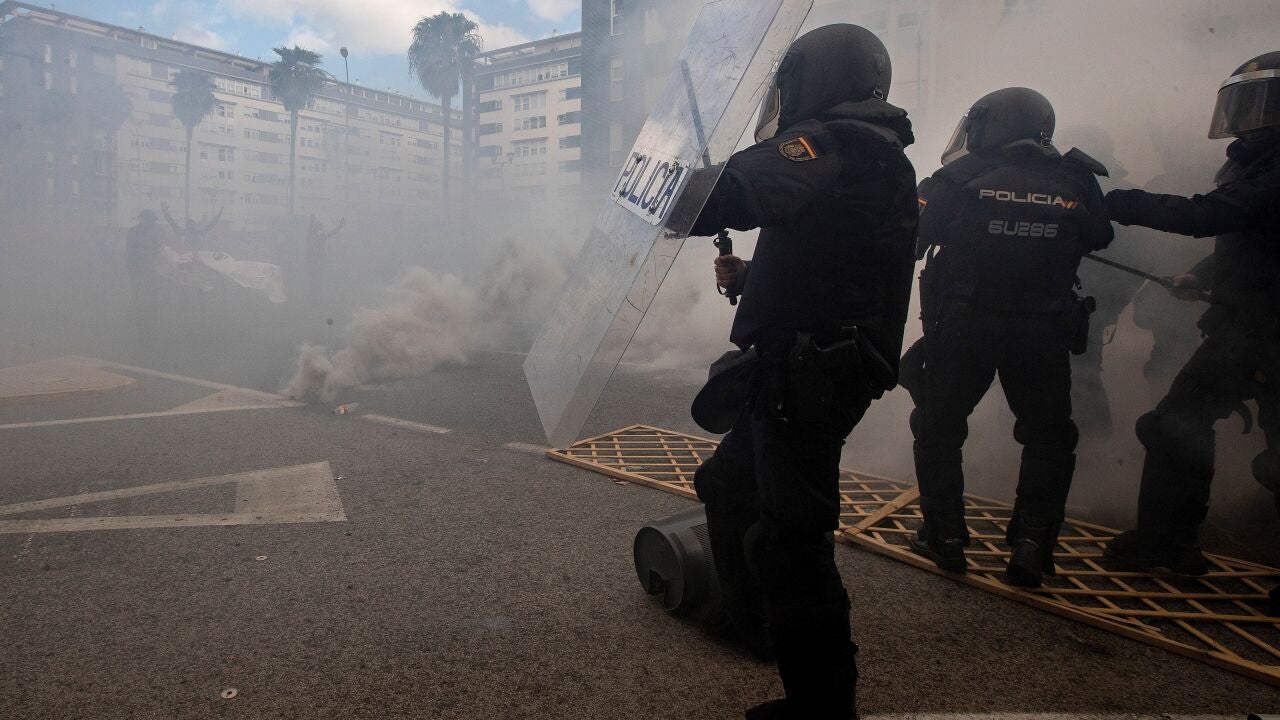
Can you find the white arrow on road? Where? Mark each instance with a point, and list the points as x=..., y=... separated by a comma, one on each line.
x=297, y=494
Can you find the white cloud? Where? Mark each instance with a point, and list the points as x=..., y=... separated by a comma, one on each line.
x=200, y=36
x=553, y=9
x=304, y=36
x=367, y=26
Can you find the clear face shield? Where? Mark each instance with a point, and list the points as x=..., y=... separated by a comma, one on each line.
x=1247, y=102
x=770, y=110
x=958, y=146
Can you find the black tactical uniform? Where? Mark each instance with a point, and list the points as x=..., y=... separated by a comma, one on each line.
x=824, y=304
x=1009, y=219
x=1240, y=356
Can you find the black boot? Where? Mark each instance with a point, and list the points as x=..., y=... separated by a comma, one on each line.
x=772, y=710
x=1032, y=541
x=777, y=710
x=942, y=539
x=1142, y=552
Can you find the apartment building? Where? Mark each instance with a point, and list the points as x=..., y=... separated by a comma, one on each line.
x=87, y=127
x=530, y=120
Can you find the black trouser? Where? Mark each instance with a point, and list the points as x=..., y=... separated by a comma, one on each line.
x=772, y=497
x=1230, y=366
x=963, y=354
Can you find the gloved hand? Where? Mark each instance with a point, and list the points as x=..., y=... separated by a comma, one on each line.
x=731, y=271
x=1186, y=287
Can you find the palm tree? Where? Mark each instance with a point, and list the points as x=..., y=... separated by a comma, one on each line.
x=443, y=48
x=192, y=100
x=295, y=79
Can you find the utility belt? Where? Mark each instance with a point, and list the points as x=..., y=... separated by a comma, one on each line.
x=1072, y=310
x=808, y=376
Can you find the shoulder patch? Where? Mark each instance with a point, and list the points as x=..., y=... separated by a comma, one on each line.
x=798, y=150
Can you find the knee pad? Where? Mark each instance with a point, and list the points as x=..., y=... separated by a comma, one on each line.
x=916, y=423
x=1061, y=437
x=1178, y=434
x=709, y=480
x=1266, y=470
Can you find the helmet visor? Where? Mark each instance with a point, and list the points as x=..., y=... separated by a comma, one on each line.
x=1246, y=103
x=958, y=146
x=770, y=111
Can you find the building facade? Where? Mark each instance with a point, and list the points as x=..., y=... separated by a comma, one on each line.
x=529, y=131
x=87, y=127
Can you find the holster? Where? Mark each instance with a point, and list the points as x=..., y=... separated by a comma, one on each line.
x=1078, y=323
x=819, y=379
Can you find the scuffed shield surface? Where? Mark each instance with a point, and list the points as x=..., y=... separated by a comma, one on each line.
x=727, y=65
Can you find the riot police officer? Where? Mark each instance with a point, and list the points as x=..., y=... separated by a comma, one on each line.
x=1005, y=223
x=1240, y=356
x=824, y=303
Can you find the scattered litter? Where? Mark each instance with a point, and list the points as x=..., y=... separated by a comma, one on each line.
x=260, y=558
x=621, y=482
x=340, y=477
x=229, y=693
x=345, y=409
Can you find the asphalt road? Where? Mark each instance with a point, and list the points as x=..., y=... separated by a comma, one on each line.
x=462, y=575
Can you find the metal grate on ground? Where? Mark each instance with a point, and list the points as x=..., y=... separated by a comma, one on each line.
x=1220, y=618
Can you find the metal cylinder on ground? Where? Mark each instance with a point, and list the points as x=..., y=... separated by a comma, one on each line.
x=673, y=561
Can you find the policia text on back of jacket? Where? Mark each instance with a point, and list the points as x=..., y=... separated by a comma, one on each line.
x=1005, y=223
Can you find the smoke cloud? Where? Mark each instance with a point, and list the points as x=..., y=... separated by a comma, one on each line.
x=430, y=320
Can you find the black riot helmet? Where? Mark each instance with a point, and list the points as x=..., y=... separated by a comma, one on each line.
x=823, y=68
x=1249, y=100
x=1000, y=118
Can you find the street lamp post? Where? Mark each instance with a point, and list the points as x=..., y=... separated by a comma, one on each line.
x=346, y=140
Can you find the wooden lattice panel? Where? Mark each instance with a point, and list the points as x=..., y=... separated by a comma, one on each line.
x=667, y=460
x=1219, y=618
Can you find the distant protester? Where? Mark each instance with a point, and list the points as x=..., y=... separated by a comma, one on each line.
x=142, y=253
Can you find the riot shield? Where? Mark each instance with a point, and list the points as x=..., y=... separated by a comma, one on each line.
x=698, y=119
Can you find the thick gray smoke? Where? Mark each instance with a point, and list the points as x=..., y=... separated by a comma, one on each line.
x=1142, y=72
x=430, y=320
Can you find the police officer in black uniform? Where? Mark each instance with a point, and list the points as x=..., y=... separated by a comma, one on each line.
x=1240, y=357
x=1005, y=223
x=824, y=302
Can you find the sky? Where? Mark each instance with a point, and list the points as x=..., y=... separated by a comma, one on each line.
x=376, y=32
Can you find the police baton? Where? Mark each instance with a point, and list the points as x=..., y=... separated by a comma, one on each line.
x=1163, y=282
x=724, y=244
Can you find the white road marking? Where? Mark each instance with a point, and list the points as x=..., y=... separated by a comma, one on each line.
x=298, y=494
x=258, y=394
x=139, y=416
x=407, y=424
x=229, y=398
x=528, y=448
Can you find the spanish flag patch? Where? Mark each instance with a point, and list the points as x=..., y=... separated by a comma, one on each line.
x=798, y=150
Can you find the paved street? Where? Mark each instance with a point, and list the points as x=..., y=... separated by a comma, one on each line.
x=181, y=549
